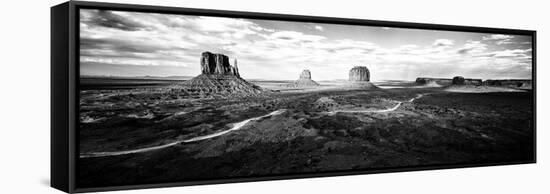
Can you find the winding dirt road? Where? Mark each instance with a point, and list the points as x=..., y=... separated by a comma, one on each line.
x=399, y=103
x=235, y=126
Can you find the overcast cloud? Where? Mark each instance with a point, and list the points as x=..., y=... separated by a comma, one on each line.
x=137, y=44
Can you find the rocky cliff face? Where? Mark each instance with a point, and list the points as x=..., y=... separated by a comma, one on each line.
x=359, y=74
x=359, y=77
x=217, y=64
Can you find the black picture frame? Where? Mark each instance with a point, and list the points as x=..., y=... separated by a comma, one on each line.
x=65, y=87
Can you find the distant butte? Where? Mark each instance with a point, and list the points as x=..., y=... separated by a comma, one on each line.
x=459, y=80
x=304, y=80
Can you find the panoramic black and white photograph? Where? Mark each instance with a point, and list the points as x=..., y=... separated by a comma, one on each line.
x=172, y=98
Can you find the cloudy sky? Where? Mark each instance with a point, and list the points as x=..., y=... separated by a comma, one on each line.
x=117, y=43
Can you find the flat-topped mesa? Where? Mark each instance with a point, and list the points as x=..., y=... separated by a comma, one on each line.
x=217, y=64
x=459, y=80
x=359, y=74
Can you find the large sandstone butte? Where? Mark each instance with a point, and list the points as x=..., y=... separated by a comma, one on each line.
x=217, y=77
x=304, y=80
x=359, y=74
x=217, y=64
x=359, y=77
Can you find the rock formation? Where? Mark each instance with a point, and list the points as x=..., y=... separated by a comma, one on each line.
x=512, y=83
x=459, y=80
x=359, y=74
x=217, y=64
x=359, y=77
x=476, y=82
x=306, y=74
x=217, y=77
x=439, y=81
x=304, y=80
x=236, y=68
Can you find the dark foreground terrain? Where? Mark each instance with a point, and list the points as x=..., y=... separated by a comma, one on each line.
x=134, y=136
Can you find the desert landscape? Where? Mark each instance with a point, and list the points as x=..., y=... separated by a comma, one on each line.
x=218, y=125
x=167, y=98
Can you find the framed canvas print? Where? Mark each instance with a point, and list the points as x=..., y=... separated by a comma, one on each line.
x=147, y=96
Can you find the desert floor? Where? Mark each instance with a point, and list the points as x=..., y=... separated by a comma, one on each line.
x=132, y=134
